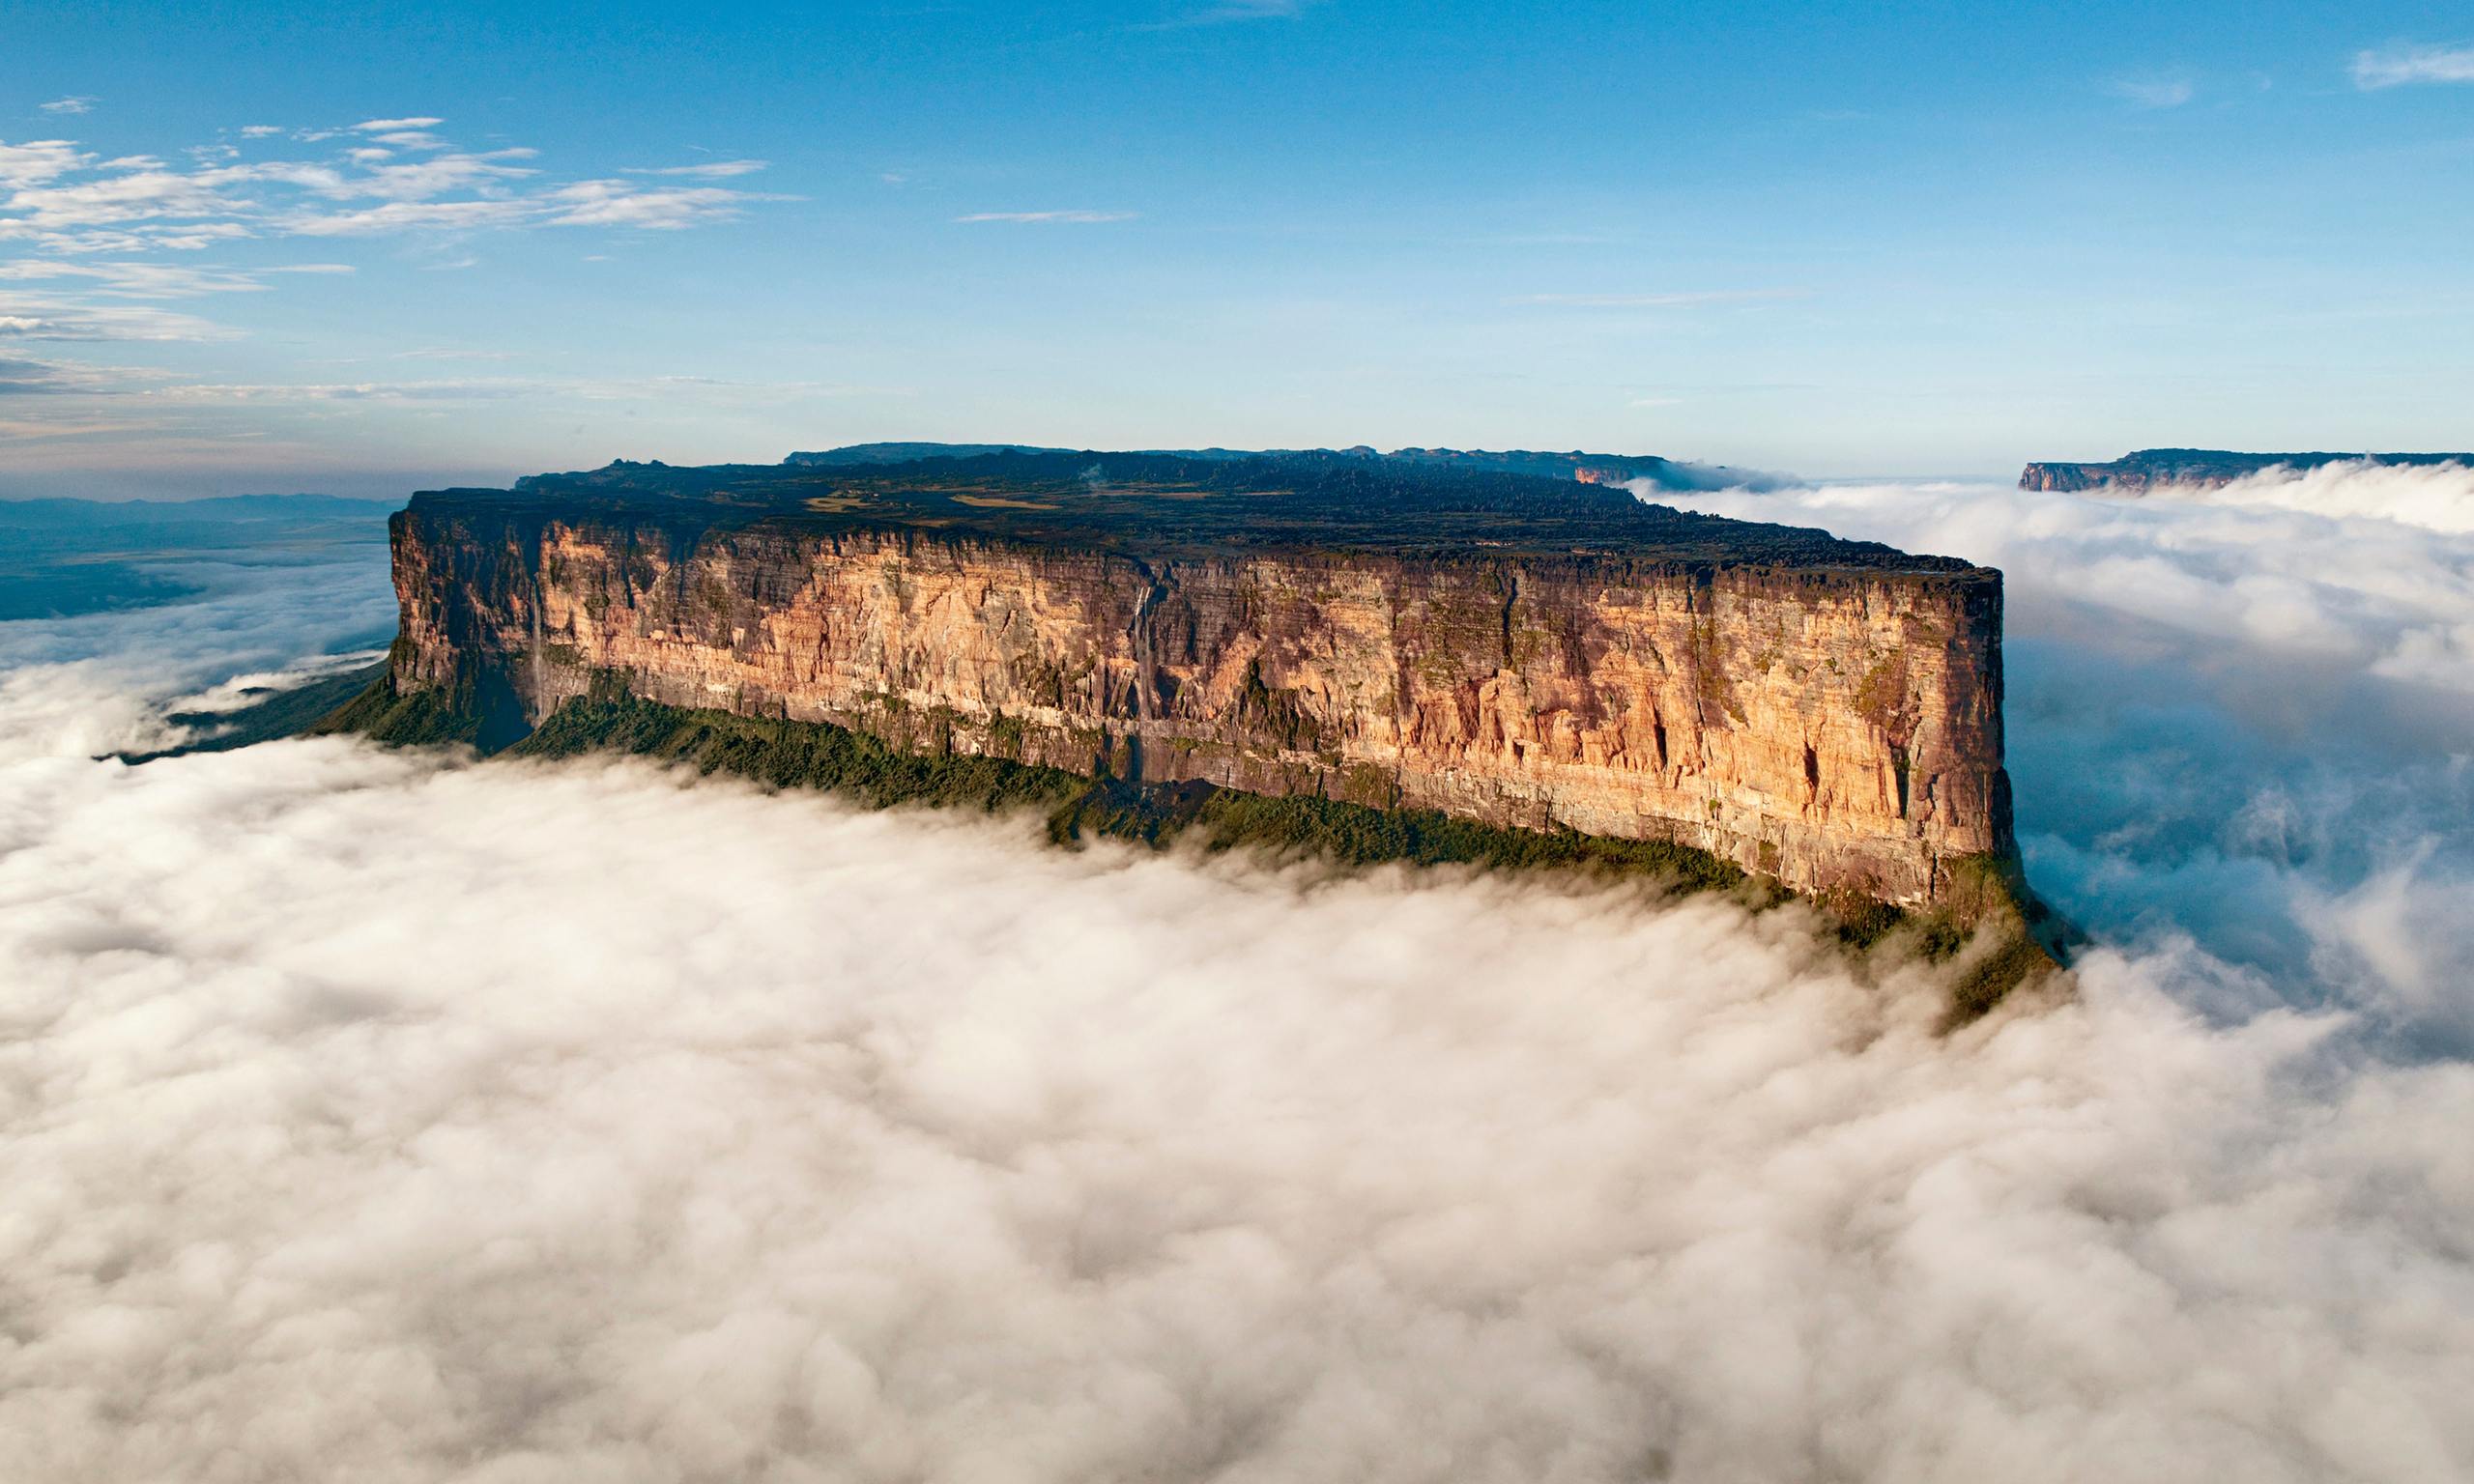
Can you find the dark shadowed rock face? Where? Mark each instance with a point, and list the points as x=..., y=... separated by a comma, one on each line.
x=2202, y=468
x=1519, y=651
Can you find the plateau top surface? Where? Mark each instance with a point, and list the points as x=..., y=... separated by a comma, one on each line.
x=1169, y=506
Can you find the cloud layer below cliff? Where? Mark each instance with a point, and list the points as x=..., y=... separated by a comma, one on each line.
x=2233, y=718
x=2439, y=496
x=377, y=1115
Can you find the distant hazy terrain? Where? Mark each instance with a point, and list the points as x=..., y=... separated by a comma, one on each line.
x=1592, y=468
x=63, y=557
x=2210, y=467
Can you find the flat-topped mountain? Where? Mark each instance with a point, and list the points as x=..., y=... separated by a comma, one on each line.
x=905, y=453
x=1532, y=654
x=2202, y=467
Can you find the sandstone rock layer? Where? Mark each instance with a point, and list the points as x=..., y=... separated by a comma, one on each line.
x=1835, y=728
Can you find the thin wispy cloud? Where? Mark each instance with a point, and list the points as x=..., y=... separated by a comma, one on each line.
x=2398, y=67
x=716, y=170
x=137, y=280
x=620, y=204
x=26, y=376
x=68, y=105
x=1680, y=300
x=488, y=388
x=1233, y=11
x=409, y=216
x=2154, y=92
x=466, y=390
x=394, y=126
x=29, y=317
x=1042, y=218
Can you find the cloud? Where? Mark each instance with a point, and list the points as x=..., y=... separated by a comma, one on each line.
x=410, y=216
x=447, y=390
x=2435, y=496
x=516, y=1121
x=67, y=204
x=670, y=389
x=23, y=376
x=38, y=160
x=2167, y=92
x=2401, y=66
x=132, y=195
x=394, y=126
x=719, y=169
x=260, y=131
x=2175, y=664
x=1231, y=11
x=1686, y=298
x=622, y=204
x=420, y=180
x=448, y=352
x=506, y=1121
x=68, y=105
x=138, y=280
x=1048, y=216
x=29, y=317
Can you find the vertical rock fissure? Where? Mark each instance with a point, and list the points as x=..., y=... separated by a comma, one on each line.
x=1145, y=666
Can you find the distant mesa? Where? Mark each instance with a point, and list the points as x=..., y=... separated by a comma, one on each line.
x=1663, y=473
x=2202, y=468
x=905, y=453
x=1591, y=468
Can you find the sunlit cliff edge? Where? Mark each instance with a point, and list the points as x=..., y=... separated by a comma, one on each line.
x=1520, y=652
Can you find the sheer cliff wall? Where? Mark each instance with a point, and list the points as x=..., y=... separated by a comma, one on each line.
x=1832, y=728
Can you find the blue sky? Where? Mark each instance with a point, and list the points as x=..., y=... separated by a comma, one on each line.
x=1834, y=239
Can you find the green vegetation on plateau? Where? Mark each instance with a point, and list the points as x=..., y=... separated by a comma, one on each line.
x=1159, y=505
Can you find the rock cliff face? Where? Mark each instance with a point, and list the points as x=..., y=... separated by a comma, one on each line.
x=1834, y=724
x=2138, y=472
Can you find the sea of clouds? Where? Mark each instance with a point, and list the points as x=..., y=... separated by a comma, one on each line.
x=384, y=1115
